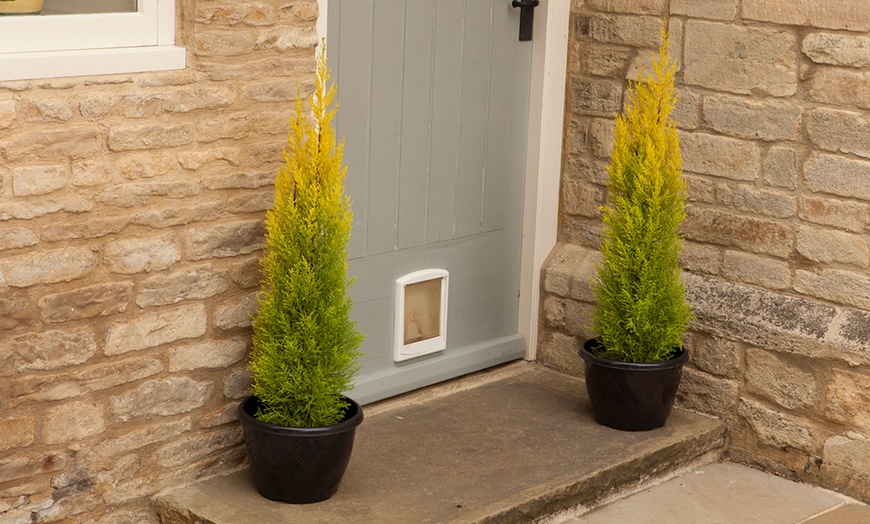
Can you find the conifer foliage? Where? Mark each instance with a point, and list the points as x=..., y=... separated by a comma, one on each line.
x=305, y=345
x=641, y=310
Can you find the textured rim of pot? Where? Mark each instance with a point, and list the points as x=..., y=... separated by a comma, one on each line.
x=591, y=358
x=345, y=425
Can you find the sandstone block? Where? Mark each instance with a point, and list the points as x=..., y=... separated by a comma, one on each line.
x=98, y=300
x=17, y=432
x=48, y=109
x=719, y=10
x=47, y=267
x=845, y=465
x=269, y=91
x=559, y=351
x=253, y=202
x=780, y=167
x=17, y=237
x=836, y=175
x=761, y=201
x=848, y=399
x=51, y=349
x=740, y=59
x=90, y=172
x=760, y=271
x=235, y=126
x=837, y=86
x=246, y=273
x=603, y=60
x=107, y=450
x=161, y=397
x=288, y=38
x=196, y=159
x=236, y=313
x=595, y=97
x=242, y=14
x=7, y=113
x=155, y=328
x=780, y=379
x=715, y=355
x=687, y=112
x=629, y=30
x=286, y=64
x=237, y=384
x=753, y=119
x=750, y=234
x=640, y=65
x=213, y=43
x=240, y=181
x=776, y=429
x=141, y=255
x=68, y=141
x=567, y=315
x=700, y=189
x=218, y=417
x=138, y=194
x=177, y=100
x=853, y=216
x=192, y=284
x=211, y=354
x=579, y=198
x=567, y=265
x=179, y=215
x=601, y=133
x=72, y=422
x=701, y=258
x=89, y=228
x=720, y=156
x=838, y=49
x=15, y=310
x=826, y=246
x=839, y=131
x=25, y=465
x=184, y=451
x=699, y=391
x=149, y=136
x=758, y=317
x=33, y=180
x=837, y=285
x=837, y=14
x=26, y=210
x=146, y=165
x=642, y=7
x=224, y=240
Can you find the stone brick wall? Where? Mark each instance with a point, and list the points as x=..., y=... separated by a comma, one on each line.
x=774, y=119
x=131, y=214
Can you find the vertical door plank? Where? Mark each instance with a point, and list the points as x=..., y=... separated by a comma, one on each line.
x=416, y=122
x=447, y=85
x=505, y=35
x=354, y=96
x=386, y=125
x=474, y=106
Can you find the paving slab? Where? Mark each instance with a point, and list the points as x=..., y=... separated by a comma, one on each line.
x=728, y=493
x=513, y=449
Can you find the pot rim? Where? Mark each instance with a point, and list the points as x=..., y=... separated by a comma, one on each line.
x=247, y=408
x=591, y=358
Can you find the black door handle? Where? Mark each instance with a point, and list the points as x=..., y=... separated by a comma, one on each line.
x=527, y=17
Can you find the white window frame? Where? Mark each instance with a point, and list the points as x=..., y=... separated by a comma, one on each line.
x=90, y=44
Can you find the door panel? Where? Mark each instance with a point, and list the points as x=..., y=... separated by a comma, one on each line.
x=433, y=101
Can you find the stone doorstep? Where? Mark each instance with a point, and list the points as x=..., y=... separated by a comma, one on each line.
x=517, y=445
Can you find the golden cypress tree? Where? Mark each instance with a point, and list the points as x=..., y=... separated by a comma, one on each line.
x=641, y=310
x=305, y=345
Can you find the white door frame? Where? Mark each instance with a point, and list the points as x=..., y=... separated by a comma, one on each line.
x=543, y=154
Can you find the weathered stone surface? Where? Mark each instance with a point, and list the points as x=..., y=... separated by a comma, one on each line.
x=134, y=166
x=826, y=246
x=72, y=422
x=753, y=269
x=569, y=271
x=212, y=354
x=237, y=384
x=149, y=136
x=50, y=349
x=780, y=167
x=17, y=237
x=223, y=43
x=15, y=310
x=838, y=49
x=758, y=317
x=603, y=60
x=567, y=315
x=846, y=465
x=22, y=465
x=162, y=397
x=848, y=399
x=89, y=228
x=244, y=14
x=749, y=198
x=287, y=38
x=719, y=10
x=754, y=235
x=141, y=255
x=559, y=351
x=836, y=14
x=155, y=328
x=640, y=31
x=192, y=284
x=741, y=59
x=196, y=159
x=239, y=181
x=580, y=198
x=183, y=451
x=852, y=337
x=68, y=141
x=601, y=134
x=38, y=180
x=179, y=215
x=701, y=258
x=246, y=273
x=642, y=7
x=133, y=440
x=138, y=194
x=640, y=65
x=838, y=285
x=7, y=113
x=224, y=240
x=774, y=428
x=853, y=216
x=832, y=85
x=687, y=112
x=28, y=209
x=236, y=313
x=252, y=202
x=705, y=393
x=47, y=267
x=753, y=119
x=218, y=417
x=595, y=97
x=720, y=156
x=700, y=188
x=840, y=131
x=17, y=432
x=177, y=100
x=780, y=379
x=97, y=300
x=715, y=355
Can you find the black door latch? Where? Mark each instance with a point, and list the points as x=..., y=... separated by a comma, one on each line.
x=527, y=17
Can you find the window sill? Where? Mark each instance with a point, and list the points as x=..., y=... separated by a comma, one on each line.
x=89, y=62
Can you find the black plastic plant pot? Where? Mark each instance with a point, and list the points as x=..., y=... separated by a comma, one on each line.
x=298, y=465
x=631, y=396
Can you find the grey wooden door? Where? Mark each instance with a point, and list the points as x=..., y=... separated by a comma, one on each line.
x=434, y=101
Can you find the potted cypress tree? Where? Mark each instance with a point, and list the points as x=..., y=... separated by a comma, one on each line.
x=299, y=427
x=633, y=366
